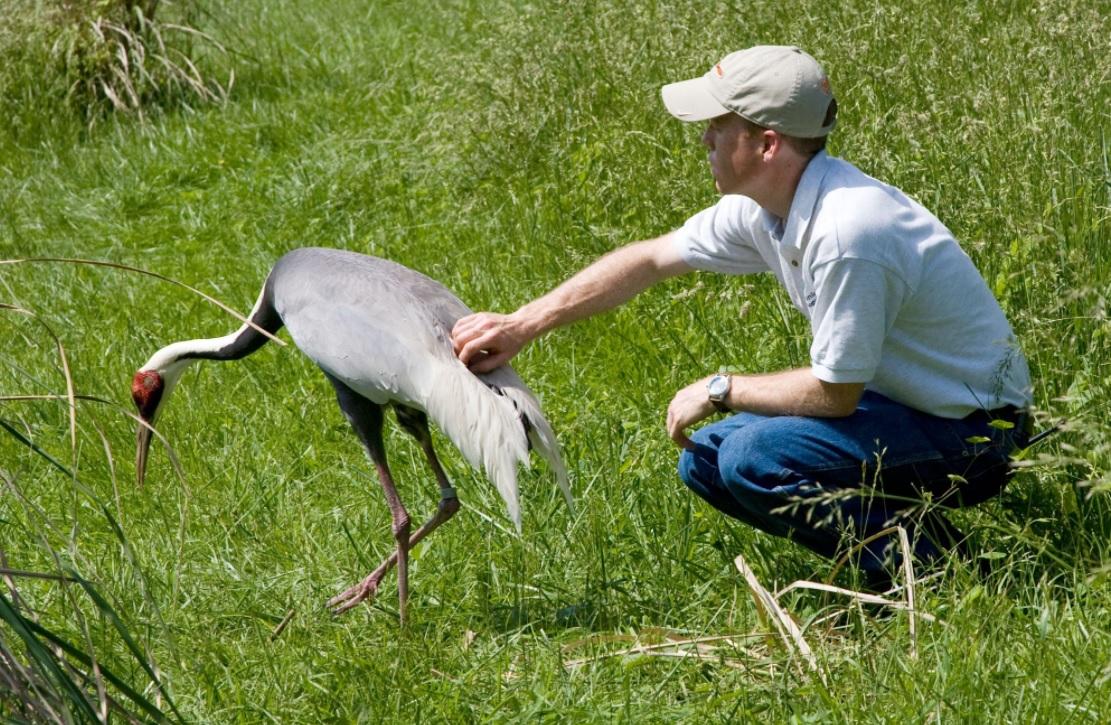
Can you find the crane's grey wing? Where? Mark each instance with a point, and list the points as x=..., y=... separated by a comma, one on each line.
x=345, y=274
x=364, y=320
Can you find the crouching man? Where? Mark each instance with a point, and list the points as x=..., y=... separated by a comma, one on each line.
x=916, y=391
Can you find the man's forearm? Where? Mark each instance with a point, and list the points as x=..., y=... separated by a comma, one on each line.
x=485, y=340
x=793, y=392
x=606, y=284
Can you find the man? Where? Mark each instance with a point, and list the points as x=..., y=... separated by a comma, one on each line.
x=916, y=391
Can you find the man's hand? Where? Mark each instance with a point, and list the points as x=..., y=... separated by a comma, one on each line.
x=689, y=406
x=486, y=340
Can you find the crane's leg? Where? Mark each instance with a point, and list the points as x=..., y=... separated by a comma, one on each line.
x=366, y=418
x=416, y=424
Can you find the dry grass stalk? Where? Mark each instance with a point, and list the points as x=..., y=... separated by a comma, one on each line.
x=908, y=577
x=282, y=625
x=788, y=630
x=721, y=649
x=860, y=597
x=718, y=648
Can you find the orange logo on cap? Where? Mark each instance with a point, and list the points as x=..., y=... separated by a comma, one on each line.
x=717, y=69
x=825, y=85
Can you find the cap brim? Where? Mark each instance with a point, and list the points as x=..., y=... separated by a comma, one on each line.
x=691, y=100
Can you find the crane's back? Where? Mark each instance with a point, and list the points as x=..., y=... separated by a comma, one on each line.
x=329, y=276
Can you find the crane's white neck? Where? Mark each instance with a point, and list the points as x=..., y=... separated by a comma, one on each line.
x=174, y=358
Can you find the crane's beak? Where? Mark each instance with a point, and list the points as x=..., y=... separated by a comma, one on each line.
x=142, y=447
x=147, y=388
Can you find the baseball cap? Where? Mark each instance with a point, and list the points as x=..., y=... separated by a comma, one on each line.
x=776, y=86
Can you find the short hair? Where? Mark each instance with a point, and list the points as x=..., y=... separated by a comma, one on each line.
x=805, y=146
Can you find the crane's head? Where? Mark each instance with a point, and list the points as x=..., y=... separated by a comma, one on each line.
x=150, y=389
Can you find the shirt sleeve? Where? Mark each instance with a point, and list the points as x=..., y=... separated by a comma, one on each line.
x=856, y=302
x=720, y=238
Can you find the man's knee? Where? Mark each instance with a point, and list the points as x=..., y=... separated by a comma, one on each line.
x=706, y=437
x=694, y=468
x=698, y=467
x=752, y=457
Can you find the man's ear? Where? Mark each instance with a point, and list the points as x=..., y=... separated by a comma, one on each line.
x=772, y=141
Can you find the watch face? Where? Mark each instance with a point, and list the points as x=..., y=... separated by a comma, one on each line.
x=718, y=386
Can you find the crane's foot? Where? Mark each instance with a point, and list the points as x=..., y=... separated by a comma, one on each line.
x=367, y=589
x=364, y=591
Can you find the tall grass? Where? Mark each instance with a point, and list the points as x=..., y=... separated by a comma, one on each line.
x=498, y=146
x=66, y=64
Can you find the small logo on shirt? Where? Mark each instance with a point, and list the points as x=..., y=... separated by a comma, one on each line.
x=811, y=298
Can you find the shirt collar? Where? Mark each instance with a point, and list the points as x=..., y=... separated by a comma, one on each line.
x=804, y=201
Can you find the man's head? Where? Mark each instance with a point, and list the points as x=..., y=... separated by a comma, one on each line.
x=773, y=86
x=769, y=110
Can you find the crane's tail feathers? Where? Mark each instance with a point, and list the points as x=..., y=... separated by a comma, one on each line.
x=492, y=420
x=541, y=436
x=486, y=429
x=537, y=428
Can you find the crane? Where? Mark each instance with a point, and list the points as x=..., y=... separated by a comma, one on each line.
x=380, y=332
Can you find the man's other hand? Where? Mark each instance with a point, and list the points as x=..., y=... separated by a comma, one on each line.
x=689, y=406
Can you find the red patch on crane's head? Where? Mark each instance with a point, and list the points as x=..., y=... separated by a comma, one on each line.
x=146, y=391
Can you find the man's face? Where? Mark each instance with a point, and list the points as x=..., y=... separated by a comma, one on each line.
x=734, y=154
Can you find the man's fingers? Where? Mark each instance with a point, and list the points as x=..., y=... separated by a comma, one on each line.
x=480, y=354
x=464, y=330
x=680, y=439
x=485, y=362
x=483, y=342
x=676, y=431
x=471, y=349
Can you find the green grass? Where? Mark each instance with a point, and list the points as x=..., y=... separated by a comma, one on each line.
x=498, y=146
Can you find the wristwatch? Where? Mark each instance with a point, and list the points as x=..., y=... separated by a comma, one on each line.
x=718, y=390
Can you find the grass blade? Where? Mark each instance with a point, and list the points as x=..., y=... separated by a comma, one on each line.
x=138, y=270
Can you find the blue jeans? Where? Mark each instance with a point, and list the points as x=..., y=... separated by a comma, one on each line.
x=828, y=483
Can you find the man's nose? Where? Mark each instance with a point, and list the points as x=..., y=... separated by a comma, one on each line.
x=707, y=139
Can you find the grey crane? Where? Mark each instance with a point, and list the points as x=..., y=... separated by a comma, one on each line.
x=380, y=332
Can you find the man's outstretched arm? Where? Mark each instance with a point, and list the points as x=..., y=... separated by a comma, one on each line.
x=485, y=340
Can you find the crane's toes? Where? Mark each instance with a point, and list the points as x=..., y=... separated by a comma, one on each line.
x=364, y=591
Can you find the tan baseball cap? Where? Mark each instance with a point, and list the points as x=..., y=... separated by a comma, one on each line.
x=776, y=86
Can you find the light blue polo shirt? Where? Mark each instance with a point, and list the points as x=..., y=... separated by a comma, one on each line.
x=892, y=299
